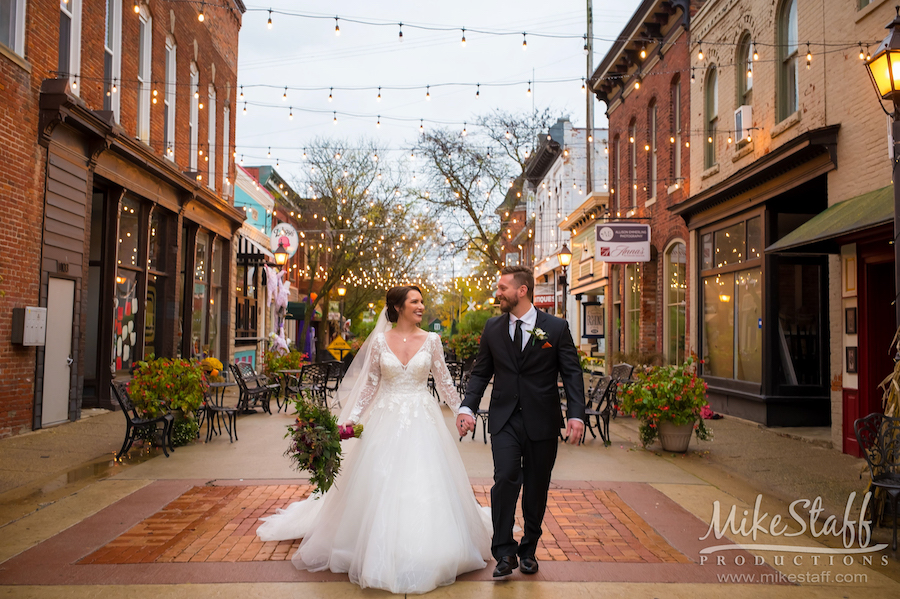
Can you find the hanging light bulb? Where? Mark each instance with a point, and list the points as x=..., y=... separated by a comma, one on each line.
x=242, y=92
x=587, y=50
x=155, y=94
x=330, y=94
x=749, y=72
x=284, y=97
x=378, y=124
x=200, y=106
x=700, y=51
x=590, y=138
x=304, y=154
x=270, y=153
x=291, y=115
x=862, y=55
x=463, y=40
x=270, y=19
x=115, y=88
x=583, y=86
x=137, y=7
x=529, y=89
x=378, y=99
x=643, y=52
x=507, y=134
x=422, y=126
x=477, y=91
x=729, y=139
x=637, y=83
x=464, y=132
x=201, y=16
x=335, y=118
x=427, y=92
x=753, y=50
x=709, y=139
x=808, y=56
x=245, y=108
x=524, y=42
x=401, y=32
x=692, y=74
x=337, y=27
x=242, y=159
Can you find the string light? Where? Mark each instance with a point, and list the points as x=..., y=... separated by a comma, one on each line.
x=463, y=40
x=335, y=118
x=524, y=42
x=422, y=126
x=753, y=49
x=862, y=55
x=529, y=89
x=749, y=72
x=700, y=51
x=478, y=91
x=427, y=92
x=270, y=19
x=507, y=134
x=330, y=94
x=808, y=56
x=242, y=92
x=155, y=94
x=378, y=124
x=291, y=115
x=464, y=132
x=583, y=86
x=643, y=52
x=401, y=32
x=692, y=74
x=284, y=97
x=586, y=48
x=378, y=99
x=637, y=83
x=137, y=7
x=245, y=108
x=729, y=140
x=337, y=27
x=201, y=16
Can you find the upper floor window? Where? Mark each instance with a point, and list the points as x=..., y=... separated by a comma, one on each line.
x=711, y=105
x=675, y=139
x=112, y=56
x=145, y=43
x=651, y=117
x=744, y=62
x=12, y=25
x=69, y=63
x=788, y=62
x=226, y=153
x=194, y=122
x=617, y=182
x=211, y=139
x=632, y=166
x=169, y=101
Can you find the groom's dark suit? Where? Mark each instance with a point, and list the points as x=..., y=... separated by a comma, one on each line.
x=524, y=419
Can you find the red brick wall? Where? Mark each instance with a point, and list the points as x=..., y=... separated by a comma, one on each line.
x=656, y=85
x=23, y=158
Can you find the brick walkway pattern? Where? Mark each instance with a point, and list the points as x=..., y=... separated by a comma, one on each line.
x=218, y=524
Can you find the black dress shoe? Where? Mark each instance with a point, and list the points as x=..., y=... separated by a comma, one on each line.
x=506, y=565
x=529, y=565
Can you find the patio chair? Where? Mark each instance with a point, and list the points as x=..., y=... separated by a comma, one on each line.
x=134, y=422
x=879, y=439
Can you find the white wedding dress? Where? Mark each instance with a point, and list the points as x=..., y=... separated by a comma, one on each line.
x=401, y=515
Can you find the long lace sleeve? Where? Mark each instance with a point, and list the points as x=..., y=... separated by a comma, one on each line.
x=442, y=379
x=370, y=386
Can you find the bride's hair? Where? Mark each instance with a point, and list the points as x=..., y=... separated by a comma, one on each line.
x=396, y=297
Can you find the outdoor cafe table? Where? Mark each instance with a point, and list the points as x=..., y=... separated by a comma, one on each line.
x=285, y=375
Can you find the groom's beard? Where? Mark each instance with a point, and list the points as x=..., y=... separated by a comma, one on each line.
x=508, y=305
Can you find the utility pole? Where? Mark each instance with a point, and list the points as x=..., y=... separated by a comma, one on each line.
x=589, y=44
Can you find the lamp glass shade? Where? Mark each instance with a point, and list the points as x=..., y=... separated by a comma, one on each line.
x=885, y=70
x=565, y=256
x=342, y=291
x=281, y=255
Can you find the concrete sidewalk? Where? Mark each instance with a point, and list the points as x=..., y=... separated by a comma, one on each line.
x=57, y=510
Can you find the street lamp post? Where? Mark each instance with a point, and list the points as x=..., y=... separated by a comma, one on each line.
x=565, y=258
x=884, y=70
x=342, y=291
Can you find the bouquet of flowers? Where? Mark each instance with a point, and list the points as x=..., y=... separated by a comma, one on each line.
x=316, y=443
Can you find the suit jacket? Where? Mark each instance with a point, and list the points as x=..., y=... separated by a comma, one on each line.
x=527, y=378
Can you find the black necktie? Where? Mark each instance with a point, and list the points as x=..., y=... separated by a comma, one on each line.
x=517, y=336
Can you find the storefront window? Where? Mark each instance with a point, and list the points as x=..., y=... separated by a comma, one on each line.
x=156, y=287
x=179, y=295
x=215, y=298
x=126, y=305
x=199, y=348
x=799, y=336
x=718, y=325
x=748, y=341
x=245, y=310
x=633, y=307
x=676, y=288
x=729, y=246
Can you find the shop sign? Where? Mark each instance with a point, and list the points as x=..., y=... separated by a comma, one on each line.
x=286, y=235
x=593, y=320
x=621, y=242
x=543, y=295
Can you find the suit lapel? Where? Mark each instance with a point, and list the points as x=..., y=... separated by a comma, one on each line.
x=534, y=344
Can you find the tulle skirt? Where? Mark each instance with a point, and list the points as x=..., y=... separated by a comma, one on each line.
x=401, y=516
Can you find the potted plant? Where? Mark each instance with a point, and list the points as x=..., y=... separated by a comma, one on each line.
x=668, y=400
x=162, y=385
x=213, y=369
x=274, y=361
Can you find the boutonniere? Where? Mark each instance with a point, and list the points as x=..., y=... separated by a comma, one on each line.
x=536, y=334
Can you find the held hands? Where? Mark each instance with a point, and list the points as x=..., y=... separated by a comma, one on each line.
x=465, y=424
x=574, y=431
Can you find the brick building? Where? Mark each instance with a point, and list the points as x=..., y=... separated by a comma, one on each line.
x=644, y=82
x=118, y=128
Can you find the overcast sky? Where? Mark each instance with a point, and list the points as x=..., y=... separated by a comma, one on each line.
x=305, y=52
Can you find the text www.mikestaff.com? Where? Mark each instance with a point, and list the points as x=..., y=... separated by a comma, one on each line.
x=801, y=577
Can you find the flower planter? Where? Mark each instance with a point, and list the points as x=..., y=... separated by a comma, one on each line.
x=675, y=437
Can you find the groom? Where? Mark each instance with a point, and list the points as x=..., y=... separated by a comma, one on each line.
x=525, y=350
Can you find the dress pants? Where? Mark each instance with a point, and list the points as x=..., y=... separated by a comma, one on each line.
x=519, y=462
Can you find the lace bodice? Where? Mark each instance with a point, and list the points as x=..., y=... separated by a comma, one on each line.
x=395, y=386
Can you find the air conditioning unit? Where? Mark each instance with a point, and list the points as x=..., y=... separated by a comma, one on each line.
x=743, y=121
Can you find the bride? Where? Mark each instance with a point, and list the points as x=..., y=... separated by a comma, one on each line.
x=401, y=515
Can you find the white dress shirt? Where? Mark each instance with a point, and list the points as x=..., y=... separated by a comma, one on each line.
x=528, y=321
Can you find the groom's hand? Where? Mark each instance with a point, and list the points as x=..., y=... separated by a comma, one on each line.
x=574, y=431
x=464, y=424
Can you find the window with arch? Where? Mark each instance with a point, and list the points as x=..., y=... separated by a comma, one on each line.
x=632, y=166
x=744, y=62
x=651, y=162
x=675, y=294
x=788, y=62
x=711, y=105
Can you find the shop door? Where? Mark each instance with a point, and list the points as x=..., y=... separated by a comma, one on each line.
x=58, y=351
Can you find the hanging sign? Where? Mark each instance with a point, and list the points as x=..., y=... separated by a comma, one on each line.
x=593, y=320
x=621, y=242
x=286, y=235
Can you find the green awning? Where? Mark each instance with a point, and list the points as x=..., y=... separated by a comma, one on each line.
x=817, y=235
x=295, y=311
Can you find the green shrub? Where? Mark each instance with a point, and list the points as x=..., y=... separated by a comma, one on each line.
x=473, y=321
